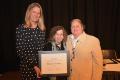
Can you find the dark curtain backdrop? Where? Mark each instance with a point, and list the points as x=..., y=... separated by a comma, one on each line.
x=101, y=17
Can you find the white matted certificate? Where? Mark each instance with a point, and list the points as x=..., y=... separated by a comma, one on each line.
x=54, y=63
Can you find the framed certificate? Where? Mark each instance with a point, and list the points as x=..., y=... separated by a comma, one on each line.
x=54, y=63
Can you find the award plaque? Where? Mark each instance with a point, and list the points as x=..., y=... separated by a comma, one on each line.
x=54, y=63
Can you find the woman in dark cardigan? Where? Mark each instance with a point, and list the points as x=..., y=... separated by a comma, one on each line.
x=56, y=42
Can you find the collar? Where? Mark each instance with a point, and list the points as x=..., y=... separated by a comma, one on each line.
x=80, y=38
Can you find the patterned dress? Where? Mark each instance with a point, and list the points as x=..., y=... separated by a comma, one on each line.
x=28, y=42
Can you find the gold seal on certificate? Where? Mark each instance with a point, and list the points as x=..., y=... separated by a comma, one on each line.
x=54, y=63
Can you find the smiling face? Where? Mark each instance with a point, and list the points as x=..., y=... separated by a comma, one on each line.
x=58, y=37
x=34, y=14
x=76, y=28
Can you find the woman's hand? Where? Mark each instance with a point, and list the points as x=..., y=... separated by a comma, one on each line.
x=37, y=70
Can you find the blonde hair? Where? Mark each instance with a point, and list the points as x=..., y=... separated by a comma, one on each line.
x=40, y=24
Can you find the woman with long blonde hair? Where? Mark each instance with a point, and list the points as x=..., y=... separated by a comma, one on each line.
x=30, y=38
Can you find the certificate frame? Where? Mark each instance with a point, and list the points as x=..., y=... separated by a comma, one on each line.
x=54, y=63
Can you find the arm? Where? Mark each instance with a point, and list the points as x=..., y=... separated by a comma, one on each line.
x=97, y=61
